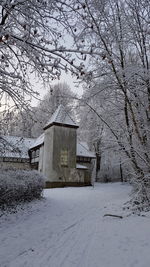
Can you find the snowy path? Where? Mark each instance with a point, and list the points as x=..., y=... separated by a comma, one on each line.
x=68, y=230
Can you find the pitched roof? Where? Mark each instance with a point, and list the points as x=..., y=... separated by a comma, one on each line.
x=83, y=150
x=37, y=142
x=60, y=116
x=15, y=147
x=18, y=147
x=82, y=147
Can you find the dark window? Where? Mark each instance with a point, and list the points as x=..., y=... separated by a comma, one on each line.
x=83, y=159
x=35, y=153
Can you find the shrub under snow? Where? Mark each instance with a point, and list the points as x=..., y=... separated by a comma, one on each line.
x=18, y=186
x=141, y=193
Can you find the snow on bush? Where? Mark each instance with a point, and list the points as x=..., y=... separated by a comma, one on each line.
x=18, y=186
x=141, y=193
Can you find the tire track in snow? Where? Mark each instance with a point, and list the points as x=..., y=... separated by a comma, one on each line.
x=68, y=240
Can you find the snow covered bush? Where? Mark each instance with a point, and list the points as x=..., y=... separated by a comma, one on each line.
x=18, y=186
x=141, y=193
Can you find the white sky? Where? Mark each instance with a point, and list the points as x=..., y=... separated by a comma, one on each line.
x=38, y=86
x=67, y=78
x=66, y=41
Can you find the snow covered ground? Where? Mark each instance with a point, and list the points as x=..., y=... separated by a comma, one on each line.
x=68, y=229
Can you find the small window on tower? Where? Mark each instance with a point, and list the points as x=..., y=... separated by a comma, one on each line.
x=64, y=158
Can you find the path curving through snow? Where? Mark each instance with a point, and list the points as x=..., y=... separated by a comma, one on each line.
x=68, y=229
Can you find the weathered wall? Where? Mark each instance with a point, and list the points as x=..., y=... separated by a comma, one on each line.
x=58, y=139
x=15, y=165
x=88, y=172
x=47, y=168
x=64, y=139
x=76, y=175
x=41, y=155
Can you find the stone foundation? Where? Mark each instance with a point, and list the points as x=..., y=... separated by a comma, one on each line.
x=64, y=184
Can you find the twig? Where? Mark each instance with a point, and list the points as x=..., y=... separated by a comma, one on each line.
x=113, y=215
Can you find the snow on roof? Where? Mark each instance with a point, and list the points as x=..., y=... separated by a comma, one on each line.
x=18, y=147
x=38, y=142
x=78, y=166
x=15, y=147
x=83, y=150
x=60, y=116
x=82, y=147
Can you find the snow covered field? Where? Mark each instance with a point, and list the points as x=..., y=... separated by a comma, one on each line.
x=68, y=229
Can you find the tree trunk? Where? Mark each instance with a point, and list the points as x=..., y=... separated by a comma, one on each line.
x=98, y=165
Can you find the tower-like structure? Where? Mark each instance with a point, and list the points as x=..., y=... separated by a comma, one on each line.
x=60, y=137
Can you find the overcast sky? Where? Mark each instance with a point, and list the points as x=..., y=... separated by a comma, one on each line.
x=72, y=82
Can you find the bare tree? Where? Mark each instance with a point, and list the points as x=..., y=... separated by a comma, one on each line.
x=116, y=36
x=112, y=35
x=31, y=42
x=31, y=123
